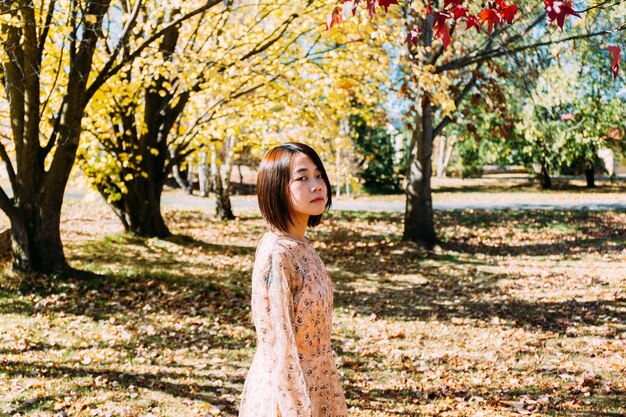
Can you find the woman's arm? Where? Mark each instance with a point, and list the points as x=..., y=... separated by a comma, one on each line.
x=293, y=394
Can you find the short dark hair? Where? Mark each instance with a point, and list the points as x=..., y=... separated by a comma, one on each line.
x=272, y=185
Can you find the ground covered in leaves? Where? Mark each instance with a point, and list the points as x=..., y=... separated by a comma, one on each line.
x=517, y=313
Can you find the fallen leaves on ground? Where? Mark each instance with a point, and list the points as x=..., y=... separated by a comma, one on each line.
x=516, y=313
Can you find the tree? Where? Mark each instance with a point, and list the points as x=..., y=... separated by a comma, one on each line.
x=141, y=124
x=127, y=153
x=552, y=120
x=566, y=114
x=219, y=81
x=138, y=125
x=437, y=84
x=486, y=125
x=49, y=75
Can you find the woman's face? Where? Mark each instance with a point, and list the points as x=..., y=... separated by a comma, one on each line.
x=307, y=189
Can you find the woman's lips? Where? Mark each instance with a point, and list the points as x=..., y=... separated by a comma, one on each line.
x=317, y=200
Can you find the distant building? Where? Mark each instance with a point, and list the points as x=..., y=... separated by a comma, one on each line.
x=612, y=164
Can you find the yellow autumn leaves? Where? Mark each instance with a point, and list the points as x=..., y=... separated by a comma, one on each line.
x=260, y=72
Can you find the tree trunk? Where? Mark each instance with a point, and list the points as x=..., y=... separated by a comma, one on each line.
x=441, y=152
x=590, y=177
x=446, y=146
x=223, y=209
x=5, y=246
x=240, y=185
x=446, y=161
x=228, y=164
x=544, y=177
x=42, y=165
x=419, y=225
x=203, y=174
x=36, y=241
x=338, y=170
x=182, y=182
x=190, y=176
x=141, y=208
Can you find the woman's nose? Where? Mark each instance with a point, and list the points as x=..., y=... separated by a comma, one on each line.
x=317, y=187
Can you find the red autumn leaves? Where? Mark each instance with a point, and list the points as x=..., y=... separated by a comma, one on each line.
x=617, y=59
x=499, y=13
x=559, y=10
x=496, y=13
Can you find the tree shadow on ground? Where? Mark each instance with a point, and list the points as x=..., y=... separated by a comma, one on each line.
x=148, y=268
x=461, y=390
x=135, y=297
x=567, y=247
x=189, y=241
x=131, y=249
x=392, y=279
x=448, y=296
x=373, y=271
x=151, y=306
x=475, y=395
x=131, y=300
x=579, y=220
x=542, y=232
x=31, y=404
x=158, y=381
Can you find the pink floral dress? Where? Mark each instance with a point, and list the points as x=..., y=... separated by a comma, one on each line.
x=293, y=372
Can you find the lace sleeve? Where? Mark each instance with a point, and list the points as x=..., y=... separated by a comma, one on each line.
x=293, y=395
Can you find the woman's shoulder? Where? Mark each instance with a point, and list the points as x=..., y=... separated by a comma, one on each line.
x=274, y=253
x=282, y=242
x=277, y=247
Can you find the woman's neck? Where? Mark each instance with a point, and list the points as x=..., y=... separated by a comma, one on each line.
x=298, y=228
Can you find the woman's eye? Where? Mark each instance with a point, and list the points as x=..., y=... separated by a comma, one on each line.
x=319, y=176
x=301, y=178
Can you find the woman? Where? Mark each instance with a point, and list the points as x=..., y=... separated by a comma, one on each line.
x=293, y=372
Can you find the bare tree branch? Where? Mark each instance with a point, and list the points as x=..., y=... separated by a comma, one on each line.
x=447, y=120
x=46, y=28
x=103, y=76
x=490, y=39
x=270, y=41
x=503, y=50
x=72, y=23
x=606, y=4
x=9, y=165
x=6, y=203
x=123, y=39
x=54, y=82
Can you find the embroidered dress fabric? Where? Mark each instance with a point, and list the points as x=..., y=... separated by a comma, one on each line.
x=293, y=372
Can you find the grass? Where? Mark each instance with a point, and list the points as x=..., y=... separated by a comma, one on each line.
x=517, y=312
